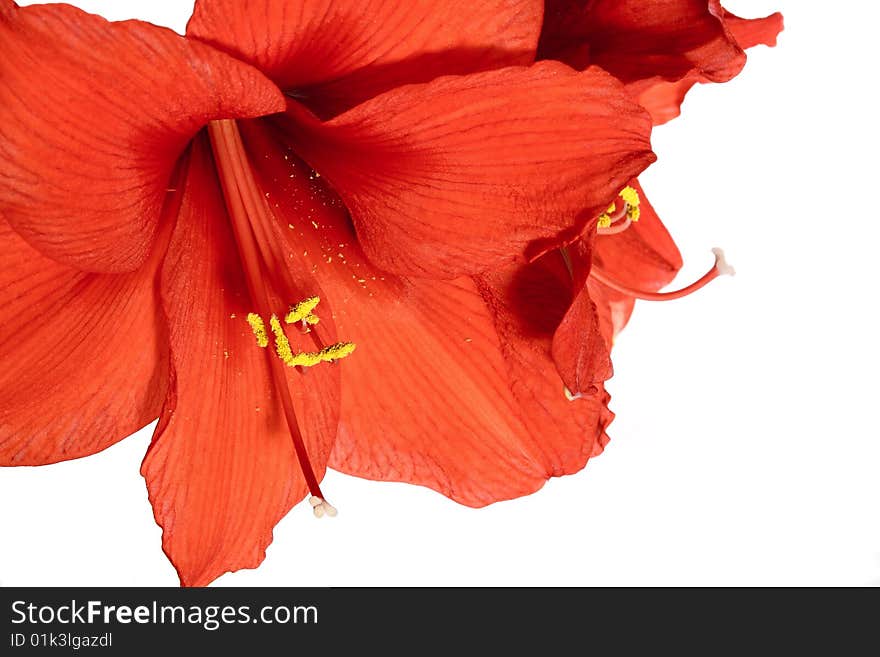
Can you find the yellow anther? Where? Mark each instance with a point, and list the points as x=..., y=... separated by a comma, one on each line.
x=303, y=311
x=631, y=196
x=282, y=344
x=259, y=329
x=326, y=355
x=306, y=358
x=337, y=351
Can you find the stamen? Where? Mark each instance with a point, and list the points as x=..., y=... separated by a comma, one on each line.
x=326, y=355
x=720, y=268
x=302, y=311
x=321, y=507
x=259, y=329
x=617, y=219
x=619, y=227
x=630, y=196
x=282, y=344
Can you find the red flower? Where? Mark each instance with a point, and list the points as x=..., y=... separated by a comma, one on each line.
x=158, y=221
x=659, y=49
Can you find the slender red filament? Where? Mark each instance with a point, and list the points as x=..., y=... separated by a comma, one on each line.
x=238, y=188
x=719, y=268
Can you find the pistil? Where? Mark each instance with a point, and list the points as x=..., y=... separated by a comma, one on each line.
x=720, y=268
x=246, y=211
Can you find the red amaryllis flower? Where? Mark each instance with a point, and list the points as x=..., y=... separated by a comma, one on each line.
x=168, y=252
x=659, y=49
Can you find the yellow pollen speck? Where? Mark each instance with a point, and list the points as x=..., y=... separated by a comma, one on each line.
x=634, y=214
x=259, y=329
x=604, y=221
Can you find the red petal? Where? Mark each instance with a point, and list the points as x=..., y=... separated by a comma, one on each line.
x=93, y=116
x=221, y=470
x=528, y=304
x=431, y=396
x=335, y=54
x=751, y=32
x=84, y=360
x=613, y=307
x=566, y=32
x=580, y=351
x=461, y=174
x=663, y=99
x=643, y=39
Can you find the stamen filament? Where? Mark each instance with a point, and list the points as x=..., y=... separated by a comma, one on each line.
x=615, y=228
x=720, y=268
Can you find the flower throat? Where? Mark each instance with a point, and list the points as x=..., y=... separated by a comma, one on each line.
x=262, y=261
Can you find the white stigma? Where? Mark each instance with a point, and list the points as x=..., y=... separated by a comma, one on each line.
x=321, y=507
x=569, y=395
x=724, y=268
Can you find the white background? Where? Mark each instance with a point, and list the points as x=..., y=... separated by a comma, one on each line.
x=745, y=449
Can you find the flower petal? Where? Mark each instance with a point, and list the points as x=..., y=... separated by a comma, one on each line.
x=528, y=303
x=430, y=396
x=750, y=32
x=640, y=40
x=84, y=359
x=461, y=174
x=614, y=309
x=334, y=54
x=581, y=353
x=663, y=99
x=93, y=116
x=222, y=470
